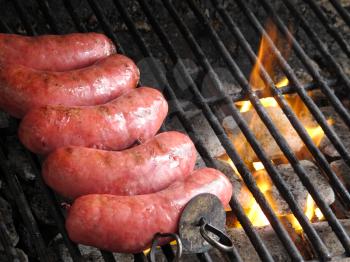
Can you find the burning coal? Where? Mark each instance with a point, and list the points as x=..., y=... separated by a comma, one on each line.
x=266, y=58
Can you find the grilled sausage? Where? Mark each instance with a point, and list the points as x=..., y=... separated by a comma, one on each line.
x=128, y=223
x=116, y=125
x=23, y=88
x=143, y=169
x=53, y=52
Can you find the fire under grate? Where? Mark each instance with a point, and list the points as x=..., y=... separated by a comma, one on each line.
x=200, y=54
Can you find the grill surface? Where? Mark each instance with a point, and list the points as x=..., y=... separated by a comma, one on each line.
x=135, y=44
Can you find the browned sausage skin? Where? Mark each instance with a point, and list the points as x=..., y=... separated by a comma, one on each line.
x=116, y=125
x=143, y=169
x=128, y=223
x=54, y=52
x=23, y=88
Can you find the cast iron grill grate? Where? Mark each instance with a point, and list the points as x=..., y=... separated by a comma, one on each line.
x=209, y=105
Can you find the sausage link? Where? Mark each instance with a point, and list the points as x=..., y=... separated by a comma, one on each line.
x=127, y=224
x=23, y=88
x=143, y=169
x=54, y=52
x=116, y=125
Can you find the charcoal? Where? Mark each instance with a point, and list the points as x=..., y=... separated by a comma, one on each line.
x=295, y=186
x=207, y=135
x=6, y=214
x=41, y=209
x=26, y=241
x=4, y=120
x=262, y=134
x=328, y=236
x=59, y=250
x=19, y=256
x=146, y=72
x=199, y=162
x=191, y=68
x=340, y=129
x=342, y=170
x=228, y=82
x=273, y=244
x=246, y=249
x=88, y=253
x=190, y=257
x=19, y=159
x=230, y=173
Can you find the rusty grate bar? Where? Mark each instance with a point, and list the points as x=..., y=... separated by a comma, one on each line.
x=288, y=89
x=321, y=81
x=339, y=230
x=318, y=44
x=261, y=155
x=341, y=10
x=23, y=208
x=209, y=115
x=329, y=27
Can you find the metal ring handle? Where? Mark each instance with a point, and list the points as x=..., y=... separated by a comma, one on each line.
x=224, y=244
x=178, y=253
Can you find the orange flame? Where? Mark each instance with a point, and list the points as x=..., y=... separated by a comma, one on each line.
x=311, y=212
x=254, y=213
x=266, y=59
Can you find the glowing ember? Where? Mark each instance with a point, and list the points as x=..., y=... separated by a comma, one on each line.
x=258, y=166
x=266, y=58
x=283, y=82
x=255, y=214
x=316, y=133
x=319, y=214
x=311, y=212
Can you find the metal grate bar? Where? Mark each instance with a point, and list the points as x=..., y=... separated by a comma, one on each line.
x=339, y=230
x=54, y=205
x=140, y=257
x=107, y=28
x=74, y=15
x=329, y=27
x=338, y=106
x=147, y=53
x=4, y=27
x=74, y=251
x=318, y=43
x=24, y=209
x=107, y=256
x=204, y=257
x=334, y=180
x=246, y=224
x=44, y=6
x=168, y=46
x=289, y=89
x=168, y=252
x=208, y=113
x=318, y=244
x=21, y=201
x=315, y=111
x=24, y=18
x=341, y=10
x=174, y=102
x=10, y=251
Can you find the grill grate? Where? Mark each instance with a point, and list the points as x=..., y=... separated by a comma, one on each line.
x=209, y=108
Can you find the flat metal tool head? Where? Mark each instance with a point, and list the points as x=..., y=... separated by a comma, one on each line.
x=206, y=206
